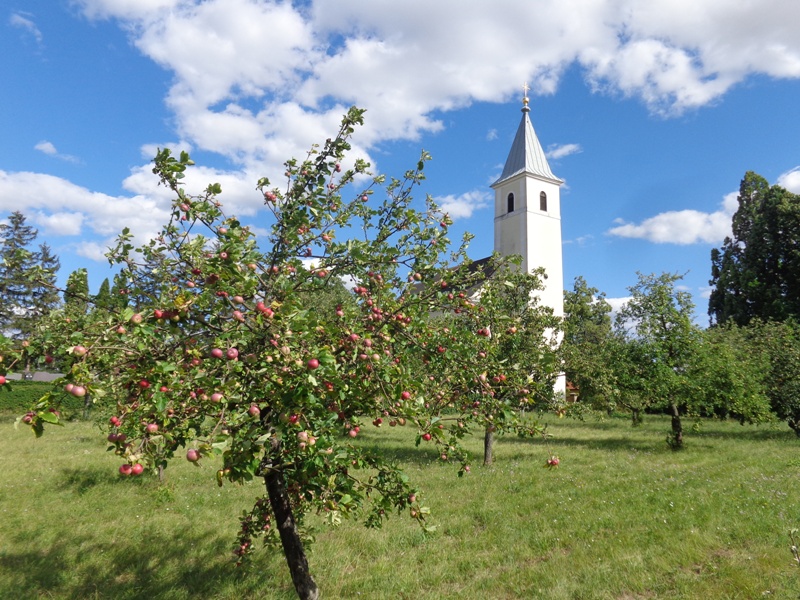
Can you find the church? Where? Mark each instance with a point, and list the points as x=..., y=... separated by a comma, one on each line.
x=527, y=211
x=527, y=214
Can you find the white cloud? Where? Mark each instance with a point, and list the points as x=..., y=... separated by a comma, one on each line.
x=23, y=21
x=790, y=180
x=260, y=80
x=491, y=135
x=462, y=207
x=557, y=151
x=617, y=304
x=71, y=209
x=683, y=226
x=61, y=223
x=125, y=9
x=48, y=148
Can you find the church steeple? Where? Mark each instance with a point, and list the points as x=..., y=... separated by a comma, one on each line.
x=527, y=211
x=526, y=155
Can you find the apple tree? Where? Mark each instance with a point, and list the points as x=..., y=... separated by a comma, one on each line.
x=224, y=353
x=518, y=351
x=656, y=325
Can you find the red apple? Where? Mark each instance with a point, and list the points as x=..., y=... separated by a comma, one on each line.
x=232, y=354
x=217, y=353
x=136, y=319
x=405, y=395
x=254, y=410
x=426, y=437
x=79, y=350
x=216, y=397
x=2, y=380
x=137, y=469
x=192, y=455
x=352, y=433
x=313, y=364
x=152, y=428
x=125, y=469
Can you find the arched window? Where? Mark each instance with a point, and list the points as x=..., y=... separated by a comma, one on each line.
x=510, y=201
x=543, y=201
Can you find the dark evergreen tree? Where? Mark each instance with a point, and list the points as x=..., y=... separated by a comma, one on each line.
x=17, y=276
x=76, y=294
x=756, y=273
x=102, y=299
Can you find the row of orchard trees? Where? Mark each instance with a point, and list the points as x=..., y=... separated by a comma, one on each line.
x=258, y=360
x=653, y=357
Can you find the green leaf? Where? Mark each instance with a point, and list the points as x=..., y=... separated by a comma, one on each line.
x=48, y=417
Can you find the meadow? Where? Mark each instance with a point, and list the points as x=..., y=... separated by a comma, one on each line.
x=622, y=518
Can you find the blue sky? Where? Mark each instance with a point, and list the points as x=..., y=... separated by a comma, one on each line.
x=652, y=112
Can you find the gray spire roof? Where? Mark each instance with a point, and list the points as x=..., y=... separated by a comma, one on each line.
x=526, y=155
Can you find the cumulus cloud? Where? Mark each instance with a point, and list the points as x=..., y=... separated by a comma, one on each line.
x=617, y=305
x=683, y=227
x=260, y=80
x=462, y=207
x=557, y=151
x=60, y=223
x=790, y=180
x=24, y=21
x=69, y=209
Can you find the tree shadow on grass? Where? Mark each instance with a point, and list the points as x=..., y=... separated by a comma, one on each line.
x=157, y=566
x=82, y=480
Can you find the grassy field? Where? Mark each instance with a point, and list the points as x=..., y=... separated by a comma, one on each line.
x=622, y=518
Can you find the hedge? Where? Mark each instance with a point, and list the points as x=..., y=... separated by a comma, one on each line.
x=18, y=396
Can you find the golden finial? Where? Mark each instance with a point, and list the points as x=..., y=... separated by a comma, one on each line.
x=525, y=88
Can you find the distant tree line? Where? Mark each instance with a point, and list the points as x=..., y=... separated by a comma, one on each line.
x=653, y=357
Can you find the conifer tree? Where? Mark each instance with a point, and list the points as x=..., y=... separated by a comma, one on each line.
x=26, y=276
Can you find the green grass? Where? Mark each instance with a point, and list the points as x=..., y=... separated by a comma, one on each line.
x=622, y=518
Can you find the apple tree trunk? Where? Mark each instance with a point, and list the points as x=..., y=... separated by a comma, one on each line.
x=488, y=446
x=676, y=440
x=296, y=559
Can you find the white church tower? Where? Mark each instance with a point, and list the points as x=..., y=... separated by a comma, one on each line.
x=527, y=213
